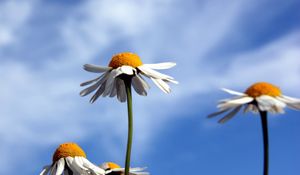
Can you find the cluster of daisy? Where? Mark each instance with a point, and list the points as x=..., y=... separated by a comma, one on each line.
x=126, y=70
x=70, y=159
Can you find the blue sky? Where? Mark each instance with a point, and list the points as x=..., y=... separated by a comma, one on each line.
x=43, y=45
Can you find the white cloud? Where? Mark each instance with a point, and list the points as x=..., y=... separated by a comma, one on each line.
x=13, y=16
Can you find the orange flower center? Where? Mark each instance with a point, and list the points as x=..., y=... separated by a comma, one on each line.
x=112, y=165
x=263, y=88
x=126, y=58
x=68, y=150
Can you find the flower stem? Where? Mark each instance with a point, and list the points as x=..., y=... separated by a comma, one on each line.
x=130, y=124
x=264, y=123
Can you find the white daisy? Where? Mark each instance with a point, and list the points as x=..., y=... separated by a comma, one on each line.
x=70, y=159
x=114, y=169
x=123, y=66
x=260, y=96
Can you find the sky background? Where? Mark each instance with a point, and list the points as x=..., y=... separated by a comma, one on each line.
x=232, y=44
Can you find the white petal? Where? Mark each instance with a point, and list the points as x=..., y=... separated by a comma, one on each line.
x=113, y=91
x=53, y=169
x=95, y=68
x=110, y=81
x=217, y=113
x=293, y=103
x=154, y=74
x=166, y=65
x=138, y=86
x=241, y=100
x=233, y=92
x=95, y=86
x=142, y=80
x=91, y=81
x=291, y=99
x=45, y=170
x=95, y=169
x=127, y=70
x=60, y=166
x=90, y=89
x=98, y=93
x=70, y=163
x=271, y=104
x=230, y=115
x=232, y=103
x=79, y=162
x=162, y=85
x=121, y=91
x=251, y=107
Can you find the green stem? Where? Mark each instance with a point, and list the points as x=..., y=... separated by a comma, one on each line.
x=264, y=123
x=130, y=124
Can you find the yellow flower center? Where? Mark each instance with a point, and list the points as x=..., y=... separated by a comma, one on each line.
x=112, y=165
x=68, y=150
x=126, y=58
x=263, y=88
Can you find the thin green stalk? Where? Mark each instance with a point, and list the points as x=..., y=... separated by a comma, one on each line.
x=130, y=124
x=264, y=123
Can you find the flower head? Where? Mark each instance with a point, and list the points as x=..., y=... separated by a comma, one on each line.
x=69, y=158
x=261, y=96
x=123, y=66
x=112, y=168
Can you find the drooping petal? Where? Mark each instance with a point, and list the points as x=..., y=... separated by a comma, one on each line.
x=292, y=103
x=70, y=163
x=233, y=92
x=113, y=91
x=251, y=107
x=143, y=81
x=121, y=91
x=95, y=86
x=92, y=168
x=60, y=166
x=217, y=113
x=268, y=103
x=109, y=82
x=53, y=169
x=162, y=85
x=98, y=93
x=45, y=170
x=153, y=74
x=91, y=81
x=95, y=68
x=166, y=65
x=138, y=86
x=90, y=89
x=230, y=115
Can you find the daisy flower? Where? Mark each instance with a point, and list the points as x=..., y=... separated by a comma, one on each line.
x=122, y=66
x=260, y=96
x=112, y=168
x=123, y=71
x=70, y=159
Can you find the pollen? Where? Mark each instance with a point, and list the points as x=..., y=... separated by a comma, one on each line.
x=68, y=150
x=125, y=59
x=112, y=165
x=263, y=88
